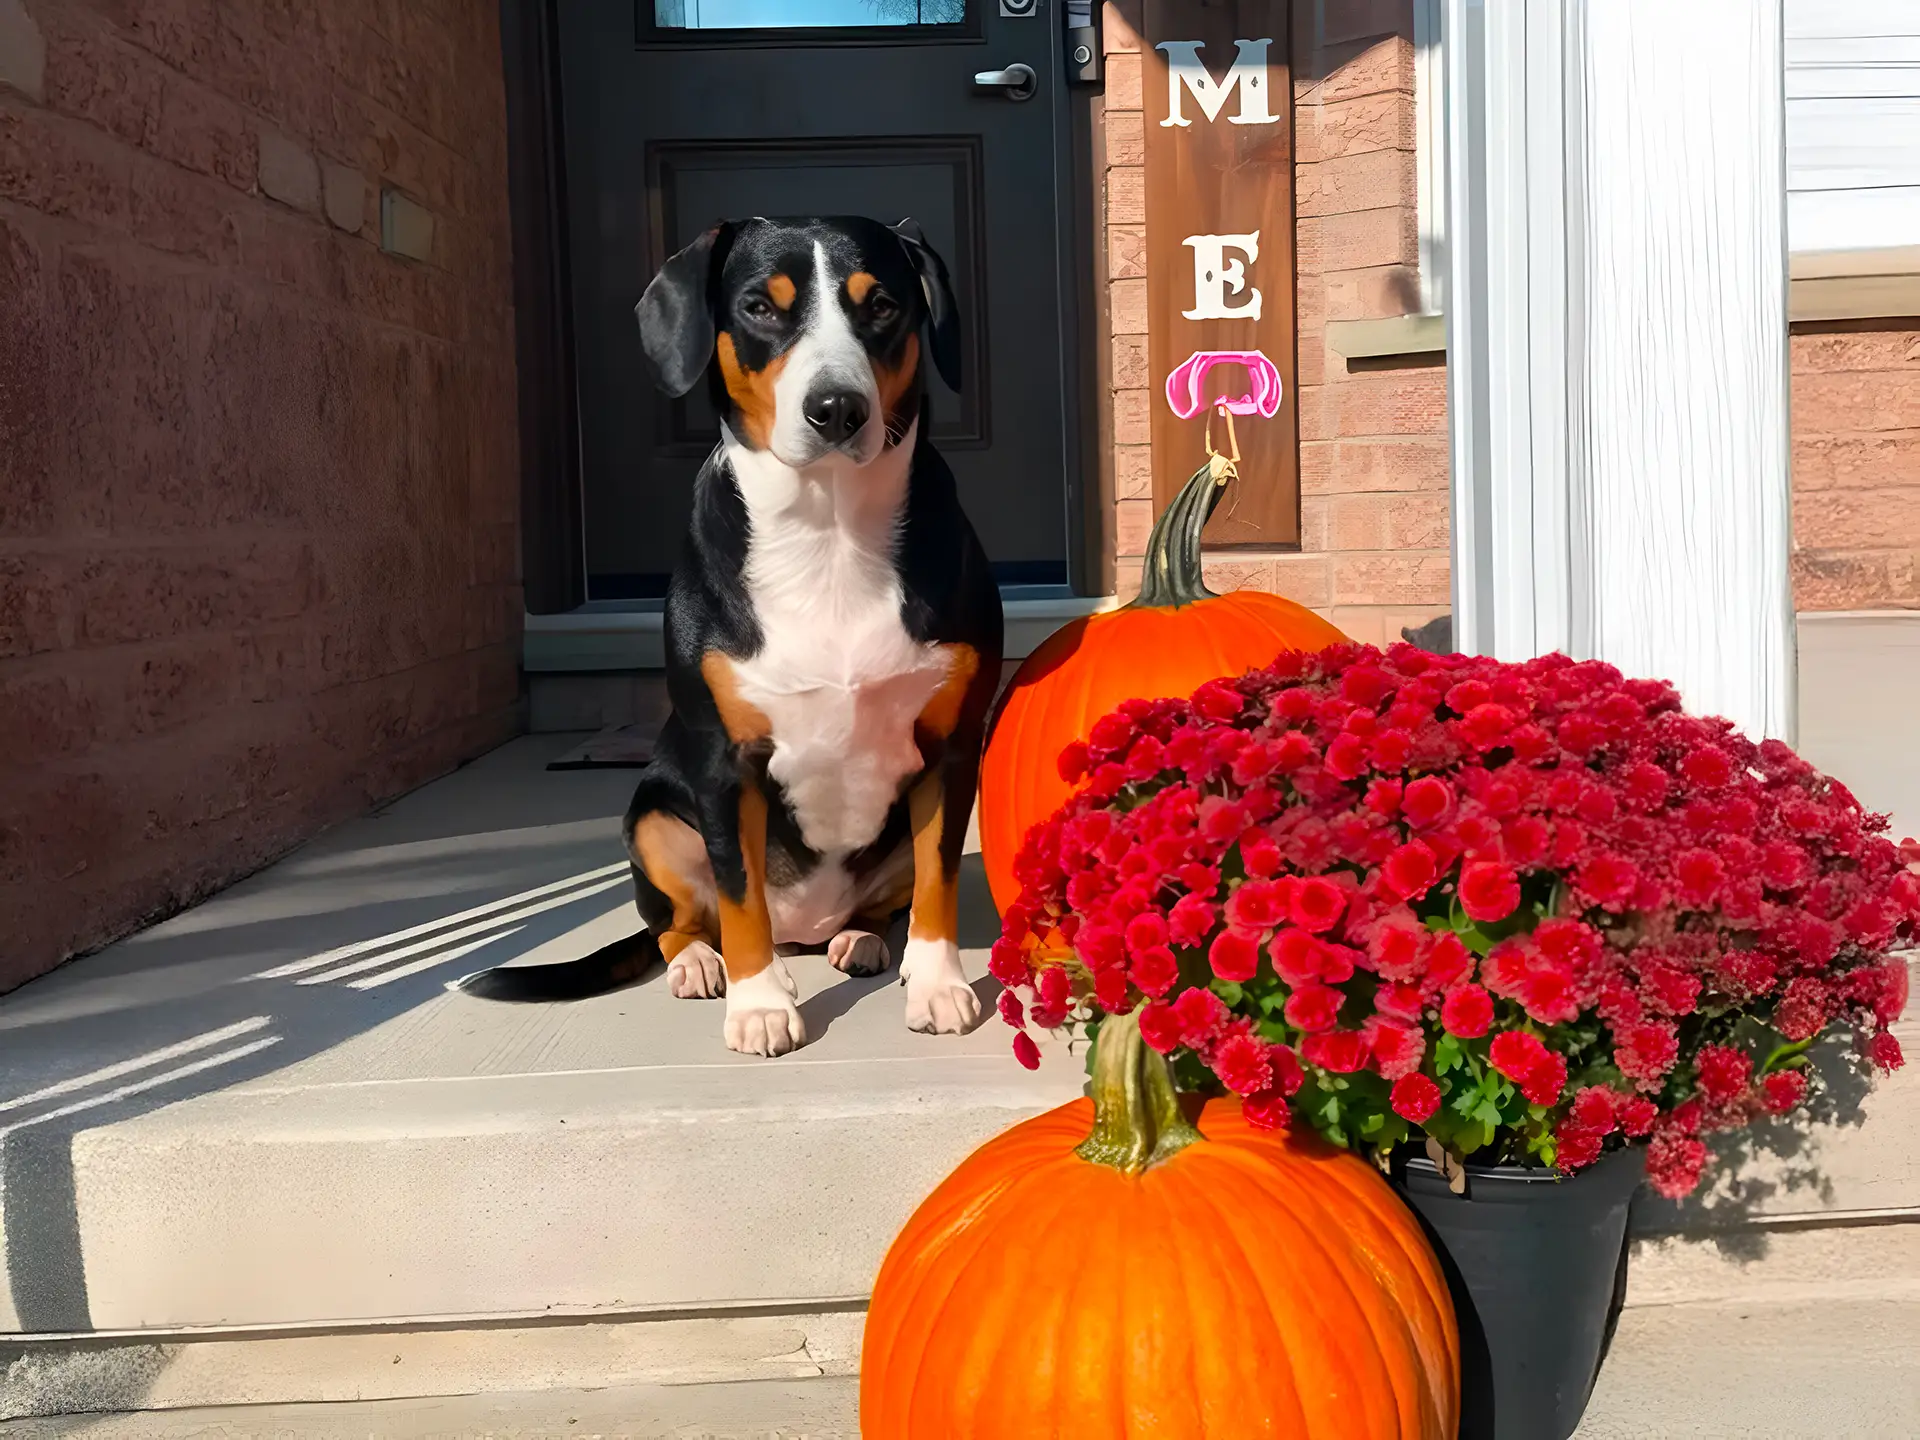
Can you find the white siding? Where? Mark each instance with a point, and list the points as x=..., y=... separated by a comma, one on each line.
x=1853, y=124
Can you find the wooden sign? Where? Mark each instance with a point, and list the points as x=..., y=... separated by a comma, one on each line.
x=1220, y=292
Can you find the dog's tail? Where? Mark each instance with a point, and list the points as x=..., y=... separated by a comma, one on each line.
x=607, y=968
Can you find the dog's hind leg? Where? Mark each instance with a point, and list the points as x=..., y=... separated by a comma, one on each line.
x=673, y=884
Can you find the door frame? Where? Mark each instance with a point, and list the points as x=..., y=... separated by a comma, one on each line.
x=552, y=511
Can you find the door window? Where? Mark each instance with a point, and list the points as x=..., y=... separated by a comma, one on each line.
x=803, y=14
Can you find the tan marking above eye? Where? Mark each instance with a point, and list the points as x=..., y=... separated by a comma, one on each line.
x=859, y=285
x=781, y=290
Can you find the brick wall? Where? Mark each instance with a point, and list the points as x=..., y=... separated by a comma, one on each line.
x=259, y=543
x=1856, y=465
x=1373, y=449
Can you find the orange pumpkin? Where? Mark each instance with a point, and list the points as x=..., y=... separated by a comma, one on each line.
x=1108, y=1271
x=1173, y=638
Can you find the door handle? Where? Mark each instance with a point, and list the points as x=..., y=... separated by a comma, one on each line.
x=1017, y=81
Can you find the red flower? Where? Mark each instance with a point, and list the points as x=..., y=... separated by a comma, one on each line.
x=1802, y=1011
x=1287, y=1074
x=1608, y=880
x=1146, y=931
x=1489, y=891
x=1025, y=1051
x=1155, y=970
x=1517, y=1054
x=1242, y=1065
x=1467, y=1012
x=1594, y=1109
x=1403, y=1002
x=1542, y=1084
x=1314, y=1007
x=1448, y=962
x=1546, y=992
x=1646, y=1051
x=1884, y=1051
x=1341, y=1051
x=1783, y=1091
x=1674, y=1163
x=1161, y=1028
x=1073, y=762
x=1394, y=948
x=1235, y=954
x=1410, y=870
x=1202, y=1015
x=1637, y=1114
x=1415, y=1097
x=1698, y=874
x=1258, y=904
x=1709, y=769
x=1576, y=1147
x=1191, y=920
x=1428, y=801
x=1317, y=905
x=1723, y=1073
x=1398, y=1048
x=1011, y=1010
x=1266, y=1111
x=1296, y=956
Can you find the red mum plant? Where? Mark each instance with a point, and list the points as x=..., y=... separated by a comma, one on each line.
x=1534, y=911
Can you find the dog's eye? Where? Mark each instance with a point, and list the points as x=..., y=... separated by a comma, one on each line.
x=756, y=307
x=882, y=308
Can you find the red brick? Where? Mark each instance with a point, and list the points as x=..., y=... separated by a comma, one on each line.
x=1227, y=571
x=1826, y=462
x=1359, y=67
x=1123, y=82
x=1356, y=240
x=1373, y=180
x=1391, y=579
x=95, y=76
x=1405, y=402
x=1133, y=472
x=1132, y=521
x=1120, y=26
x=27, y=496
x=59, y=168
x=35, y=605
x=1315, y=523
x=1870, y=580
x=1350, y=466
x=1129, y=364
x=1126, y=138
x=1387, y=522
x=1373, y=293
x=123, y=595
x=1126, y=251
x=1127, y=307
x=1132, y=417
x=1126, y=195
x=1304, y=579
x=1855, y=401
x=186, y=214
x=1350, y=127
x=1884, y=346
x=1857, y=519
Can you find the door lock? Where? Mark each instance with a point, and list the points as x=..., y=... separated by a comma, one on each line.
x=1017, y=82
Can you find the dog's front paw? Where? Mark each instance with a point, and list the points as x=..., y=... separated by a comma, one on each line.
x=939, y=999
x=761, y=1016
x=696, y=973
x=858, y=952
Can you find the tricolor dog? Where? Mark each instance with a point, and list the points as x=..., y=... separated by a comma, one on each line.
x=833, y=638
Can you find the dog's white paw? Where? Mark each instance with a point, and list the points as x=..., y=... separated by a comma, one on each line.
x=697, y=973
x=858, y=952
x=761, y=1016
x=939, y=1000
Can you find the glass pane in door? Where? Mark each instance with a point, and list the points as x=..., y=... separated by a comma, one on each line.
x=803, y=14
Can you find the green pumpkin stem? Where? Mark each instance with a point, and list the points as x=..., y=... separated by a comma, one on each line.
x=1172, y=575
x=1137, y=1120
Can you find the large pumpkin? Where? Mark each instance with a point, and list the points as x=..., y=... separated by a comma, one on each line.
x=1108, y=1271
x=1172, y=639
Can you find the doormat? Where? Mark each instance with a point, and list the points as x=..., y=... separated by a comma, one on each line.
x=618, y=747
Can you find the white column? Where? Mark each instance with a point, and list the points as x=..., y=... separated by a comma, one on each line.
x=1617, y=341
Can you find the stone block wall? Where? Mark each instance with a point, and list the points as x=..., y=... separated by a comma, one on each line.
x=259, y=479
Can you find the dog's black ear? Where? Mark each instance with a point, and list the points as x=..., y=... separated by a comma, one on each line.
x=943, y=311
x=676, y=312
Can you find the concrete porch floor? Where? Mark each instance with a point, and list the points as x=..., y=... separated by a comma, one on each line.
x=260, y=1153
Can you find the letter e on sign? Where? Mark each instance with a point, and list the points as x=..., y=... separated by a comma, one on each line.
x=1215, y=277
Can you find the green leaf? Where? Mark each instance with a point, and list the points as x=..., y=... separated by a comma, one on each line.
x=1447, y=1055
x=1229, y=991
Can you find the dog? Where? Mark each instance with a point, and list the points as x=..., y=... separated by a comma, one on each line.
x=833, y=638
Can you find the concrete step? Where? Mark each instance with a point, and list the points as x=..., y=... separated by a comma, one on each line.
x=1805, y=1370
x=242, y=1152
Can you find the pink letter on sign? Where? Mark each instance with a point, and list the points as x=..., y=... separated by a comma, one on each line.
x=1186, y=386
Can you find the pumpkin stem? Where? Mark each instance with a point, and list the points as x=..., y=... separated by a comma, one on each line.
x=1172, y=575
x=1137, y=1120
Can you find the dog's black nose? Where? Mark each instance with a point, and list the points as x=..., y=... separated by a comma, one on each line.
x=836, y=414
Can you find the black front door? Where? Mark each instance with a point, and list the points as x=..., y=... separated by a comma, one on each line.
x=680, y=113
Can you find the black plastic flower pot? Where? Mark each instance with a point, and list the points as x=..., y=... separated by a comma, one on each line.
x=1537, y=1266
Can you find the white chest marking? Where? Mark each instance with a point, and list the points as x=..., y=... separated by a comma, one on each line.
x=837, y=676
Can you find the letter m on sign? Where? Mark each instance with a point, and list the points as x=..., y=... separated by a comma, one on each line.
x=1186, y=70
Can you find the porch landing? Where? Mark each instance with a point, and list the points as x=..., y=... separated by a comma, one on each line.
x=260, y=1153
